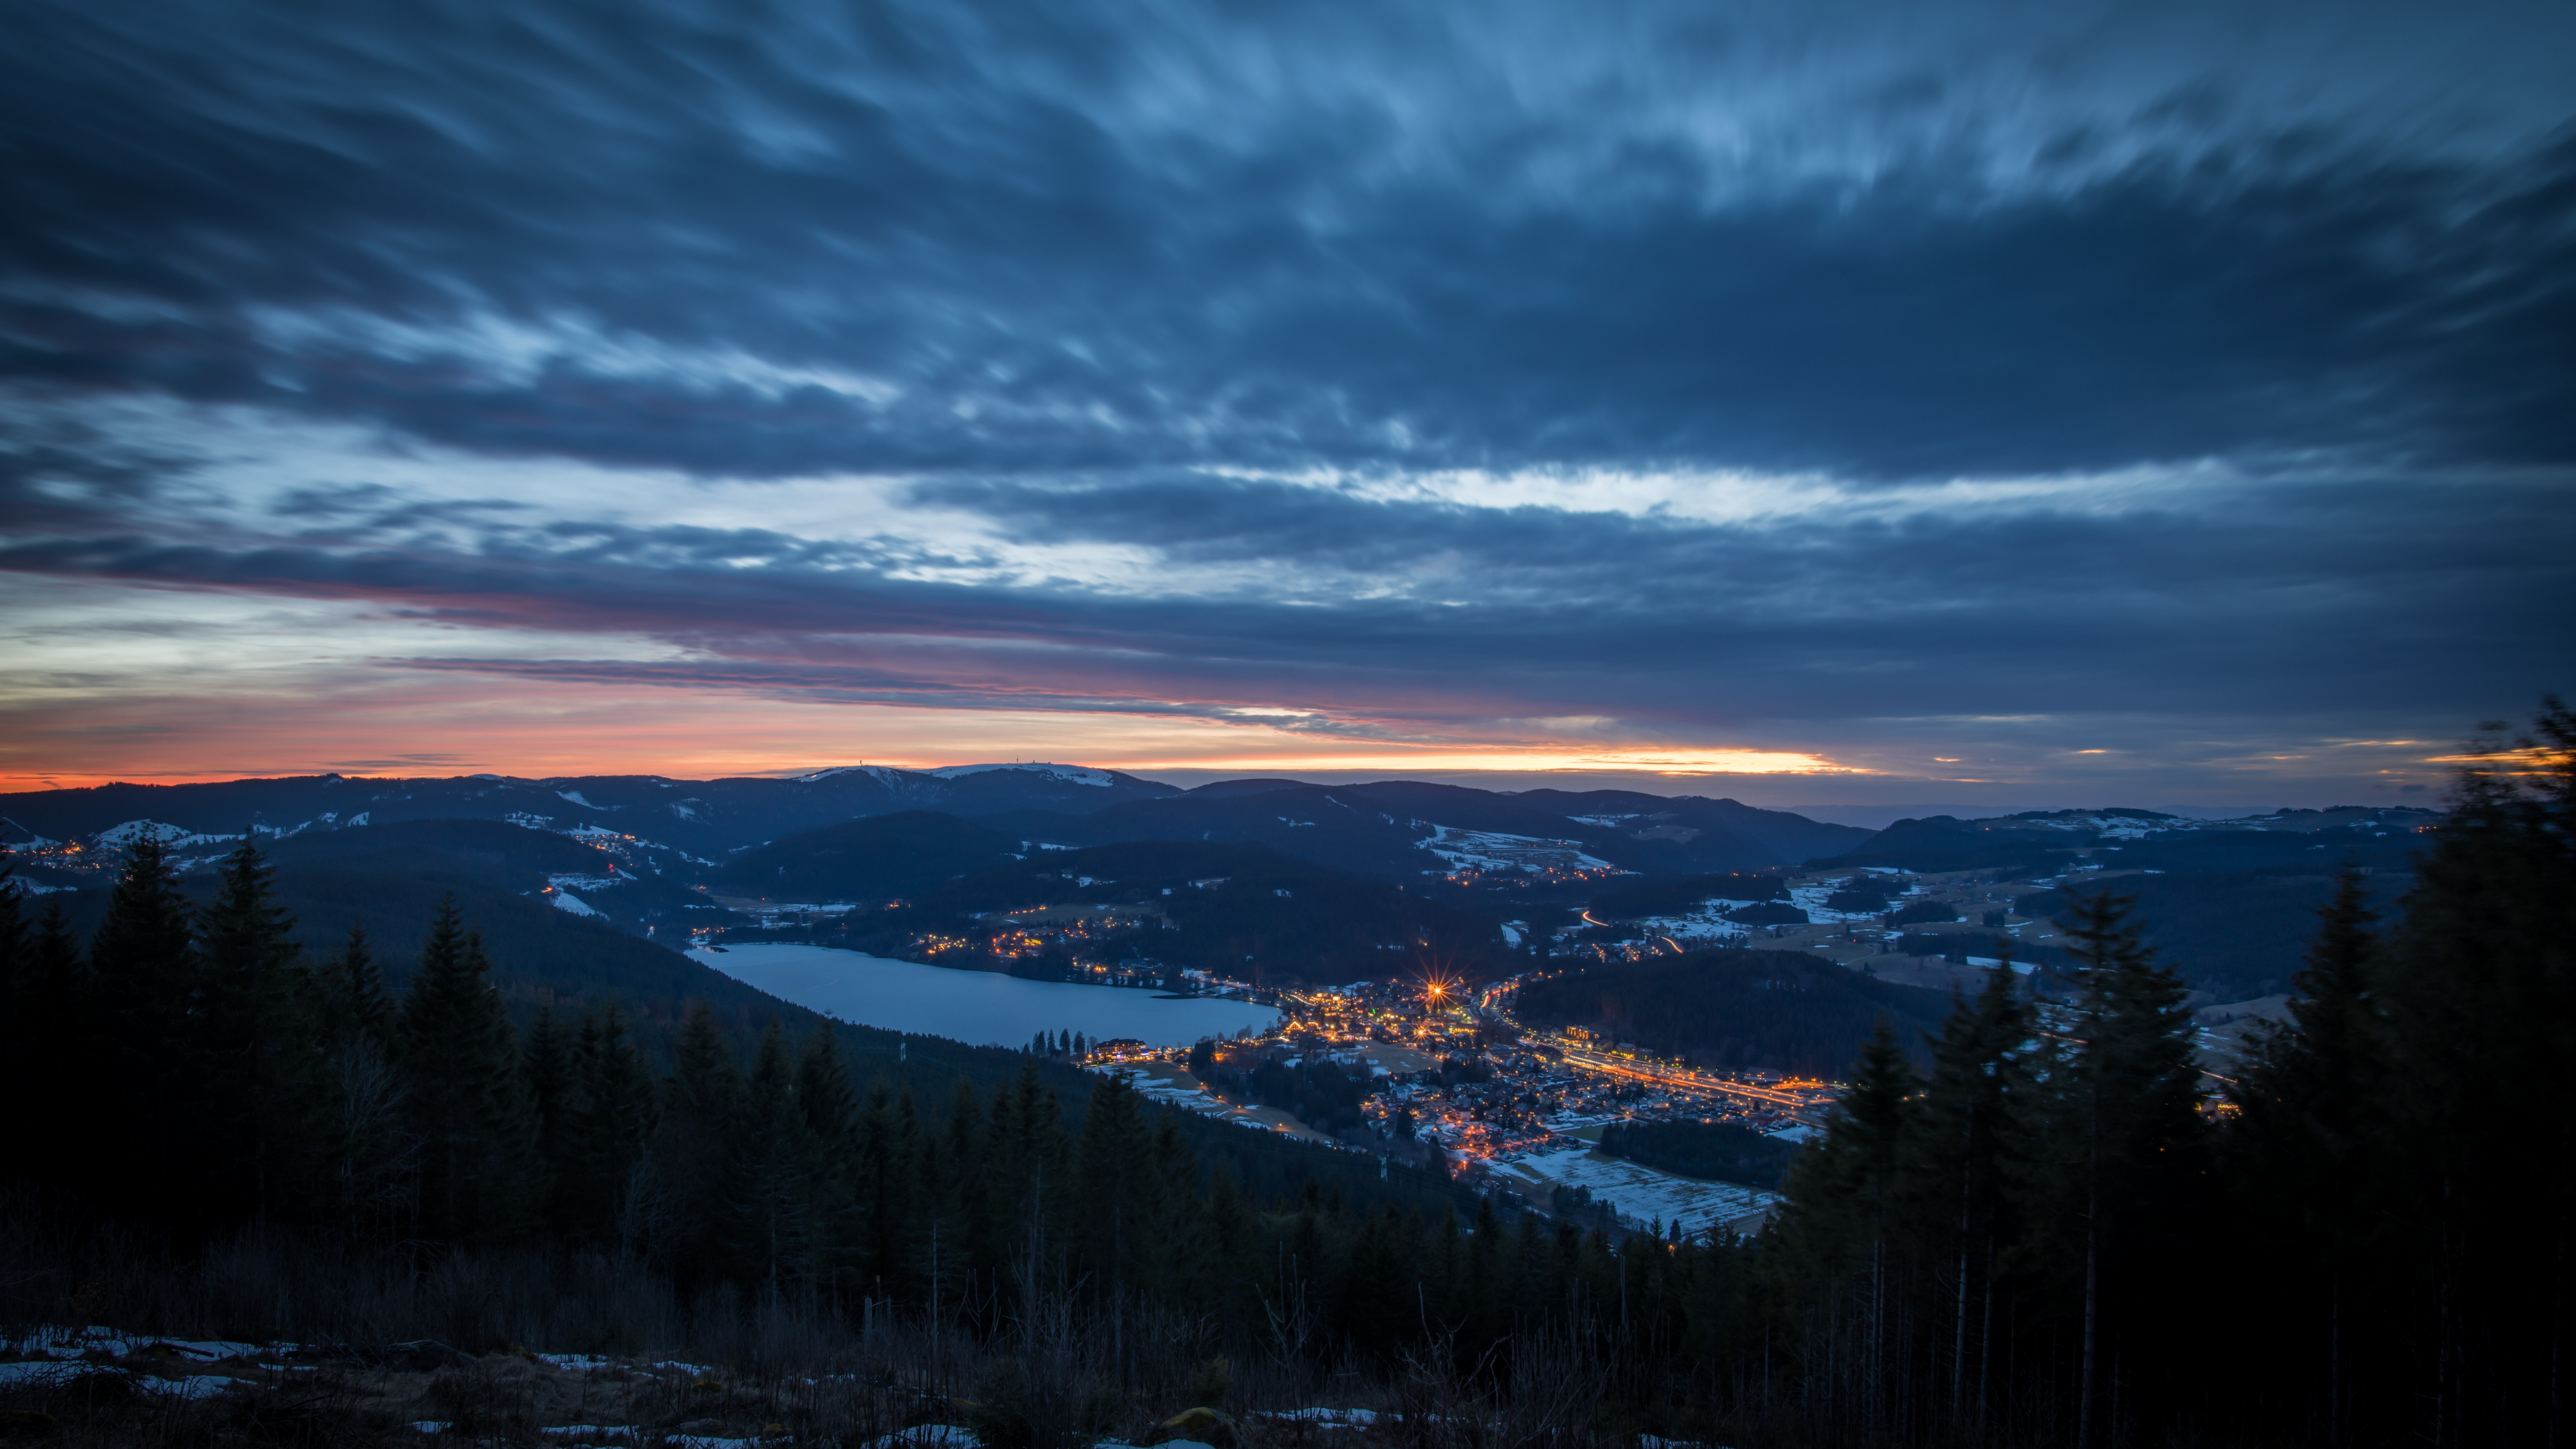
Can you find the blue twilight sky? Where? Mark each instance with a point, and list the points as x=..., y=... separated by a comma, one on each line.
x=2054, y=403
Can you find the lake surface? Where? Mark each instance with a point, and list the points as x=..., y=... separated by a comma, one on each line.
x=980, y=1008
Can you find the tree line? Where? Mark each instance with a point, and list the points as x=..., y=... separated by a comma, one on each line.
x=2067, y=1228
x=2060, y=1228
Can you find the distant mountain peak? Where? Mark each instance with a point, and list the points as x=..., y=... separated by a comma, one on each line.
x=883, y=774
x=1070, y=774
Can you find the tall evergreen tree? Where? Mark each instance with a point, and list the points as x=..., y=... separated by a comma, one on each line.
x=1969, y=1125
x=143, y=1001
x=703, y=1107
x=550, y=1068
x=1842, y=1226
x=2131, y=1141
x=352, y=991
x=2309, y=1131
x=53, y=1047
x=19, y=1025
x=461, y=1085
x=1117, y=1190
x=15, y=946
x=613, y=1119
x=957, y=1236
x=2481, y=1017
x=260, y=1053
x=776, y=1173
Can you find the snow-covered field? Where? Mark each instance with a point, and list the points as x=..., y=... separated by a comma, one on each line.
x=1492, y=850
x=1703, y=922
x=1811, y=899
x=1641, y=1194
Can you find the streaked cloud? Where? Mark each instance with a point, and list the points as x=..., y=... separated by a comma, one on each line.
x=1452, y=388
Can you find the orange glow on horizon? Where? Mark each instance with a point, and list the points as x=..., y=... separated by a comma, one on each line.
x=395, y=724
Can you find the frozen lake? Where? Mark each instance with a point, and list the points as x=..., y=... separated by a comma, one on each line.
x=980, y=1008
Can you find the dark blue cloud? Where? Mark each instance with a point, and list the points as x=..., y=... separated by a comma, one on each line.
x=329, y=213
x=1222, y=287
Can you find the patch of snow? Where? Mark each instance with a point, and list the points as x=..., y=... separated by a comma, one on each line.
x=1511, y=933
x=359, y=819
x=26, y=887
x=1323, y=1416
x=681, y=809
x=1043, y=845
x=1069, y=774
x=1705, y=921
x=566, y=901
x=204, y=1387
x=575, y=797
x=584, y=1363
x=526, y=821
x=1493, y=850
x=586, y=882
x=1640, y=1194
x=1800, y=1133
x=169, y=835
x=1811, y=899
x=210, y=1350
x=598, y=832
x=882, y=774
x=929, y=1436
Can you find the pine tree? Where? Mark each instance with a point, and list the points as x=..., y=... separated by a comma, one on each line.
x=2480, y=1008
x=1838, y=1240
x=51, y=1060
x=2133, y=1137
x=2310, y=1125
x=261, y=1052
x=1116, y=1190
x=463, y=1093
x=15, y=947
x=703, y=1108
x=143, y=1004
x=30, y=1017
x=352, y=988
x=958, y=1229
x=612, y=1121
x=19, y=1024
x=550, y=1066
x=1968, y=1125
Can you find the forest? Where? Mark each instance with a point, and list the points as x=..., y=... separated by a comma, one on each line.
x=2038, y=1224
x=1730, y=1009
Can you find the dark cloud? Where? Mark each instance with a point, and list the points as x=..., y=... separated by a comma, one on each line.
x=1094, y=276
x=335, y=215
x=2341, y=597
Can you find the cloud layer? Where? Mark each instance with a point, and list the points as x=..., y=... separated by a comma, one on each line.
x=1940, y=395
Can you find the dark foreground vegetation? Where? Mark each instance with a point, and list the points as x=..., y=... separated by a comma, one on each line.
x=2059, y=1231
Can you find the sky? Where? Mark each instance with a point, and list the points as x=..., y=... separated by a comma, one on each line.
x=1818, y=403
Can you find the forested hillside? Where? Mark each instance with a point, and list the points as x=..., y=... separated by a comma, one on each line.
x=2053, y=1227
x=1239, y=910
x=1733, y=1009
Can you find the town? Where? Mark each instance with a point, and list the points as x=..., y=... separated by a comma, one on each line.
x=1430, y=1074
